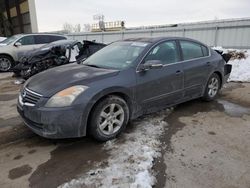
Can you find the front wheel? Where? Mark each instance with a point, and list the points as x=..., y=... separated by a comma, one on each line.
x=109, y=118
x=5, y=63
x=212, y=88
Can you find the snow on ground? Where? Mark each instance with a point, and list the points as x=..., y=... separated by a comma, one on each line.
x=241, y=67
x=130, y=162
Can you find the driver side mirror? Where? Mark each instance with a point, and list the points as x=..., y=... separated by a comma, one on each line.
x=17, y=44
x=151, y=64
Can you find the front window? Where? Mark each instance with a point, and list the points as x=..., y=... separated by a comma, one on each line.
x=118, y=55
x=165, y=52
x=27, y=40
x=10, y=39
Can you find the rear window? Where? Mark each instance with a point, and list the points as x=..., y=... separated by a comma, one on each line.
x=56, y=38
x=205, y=50
x=191, y=50
x=42, y=39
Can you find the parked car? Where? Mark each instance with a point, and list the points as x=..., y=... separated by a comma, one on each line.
x=12, y=48
x=54, y=54
x=119, y=83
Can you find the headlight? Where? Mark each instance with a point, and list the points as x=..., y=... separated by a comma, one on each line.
x=65, y=97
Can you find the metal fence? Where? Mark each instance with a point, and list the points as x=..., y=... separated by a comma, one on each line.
x=226, y=33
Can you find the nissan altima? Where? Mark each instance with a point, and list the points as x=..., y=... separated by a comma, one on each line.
x=119, y=83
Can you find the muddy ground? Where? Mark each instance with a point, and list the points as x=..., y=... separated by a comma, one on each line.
x=205, y=144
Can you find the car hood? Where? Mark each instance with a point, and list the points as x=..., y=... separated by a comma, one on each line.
x=49, y=82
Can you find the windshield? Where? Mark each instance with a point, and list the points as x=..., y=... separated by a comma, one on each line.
x=118, y=55
x=10, y=39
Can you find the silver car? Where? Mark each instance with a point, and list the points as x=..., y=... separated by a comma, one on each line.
x=11, y=49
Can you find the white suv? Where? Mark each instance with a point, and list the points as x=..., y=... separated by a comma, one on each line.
x=11, y=49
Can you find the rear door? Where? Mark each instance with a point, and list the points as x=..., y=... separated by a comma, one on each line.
x=41, y=40
x=158, y=88
x=196, y=67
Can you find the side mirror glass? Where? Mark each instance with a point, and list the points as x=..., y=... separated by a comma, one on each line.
x=151, y=64
x=17, y=44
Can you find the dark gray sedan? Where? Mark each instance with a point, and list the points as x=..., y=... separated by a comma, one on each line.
x=119, y=83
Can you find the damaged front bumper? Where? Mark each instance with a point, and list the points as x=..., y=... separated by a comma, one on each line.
x=66, y=122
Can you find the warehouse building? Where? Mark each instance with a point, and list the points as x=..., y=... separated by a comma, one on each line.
x=17, y=16
x=228, y=33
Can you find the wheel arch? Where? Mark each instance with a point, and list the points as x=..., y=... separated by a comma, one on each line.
x=8, y=55
x=120, y=92
x=213, y=72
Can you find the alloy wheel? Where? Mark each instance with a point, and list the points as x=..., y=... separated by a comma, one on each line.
x=213, y=87
x=5, y=64
x=111, y=119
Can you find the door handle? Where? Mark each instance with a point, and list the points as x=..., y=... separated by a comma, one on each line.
x=208, y=63
x=178, y=72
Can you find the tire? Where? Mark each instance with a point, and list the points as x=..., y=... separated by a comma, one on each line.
x=109, y=118
x=212, y=88
x=6, y=63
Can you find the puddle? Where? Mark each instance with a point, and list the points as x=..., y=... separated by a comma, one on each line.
x=233, y=109
x=71, y=158
x=19, y=171
x=188, y=109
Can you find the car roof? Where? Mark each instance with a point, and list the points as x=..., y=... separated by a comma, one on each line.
x=28, y=34
x=158, y=39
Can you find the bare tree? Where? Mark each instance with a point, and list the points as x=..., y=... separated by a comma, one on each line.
x=77, y=28
x=68, y=27
x=71, y=28
x=87, y=27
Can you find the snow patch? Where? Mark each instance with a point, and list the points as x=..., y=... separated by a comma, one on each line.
x=131, y=162
x=240, y=67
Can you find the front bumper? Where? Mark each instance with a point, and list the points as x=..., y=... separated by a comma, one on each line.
x=67, y=122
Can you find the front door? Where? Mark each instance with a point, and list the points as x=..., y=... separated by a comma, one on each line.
x=27, y=44
x=157, y=88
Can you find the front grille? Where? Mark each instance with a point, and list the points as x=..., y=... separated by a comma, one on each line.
x=30, y=97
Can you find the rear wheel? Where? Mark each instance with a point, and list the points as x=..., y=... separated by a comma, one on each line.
x=5, y=63
x=109, y=118
x=212, y=88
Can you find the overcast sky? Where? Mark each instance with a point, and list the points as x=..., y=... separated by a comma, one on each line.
x=52, y=14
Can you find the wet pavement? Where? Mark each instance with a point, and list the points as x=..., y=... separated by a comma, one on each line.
x=205, y=144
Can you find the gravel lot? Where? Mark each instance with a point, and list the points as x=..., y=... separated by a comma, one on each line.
x=201, y=145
